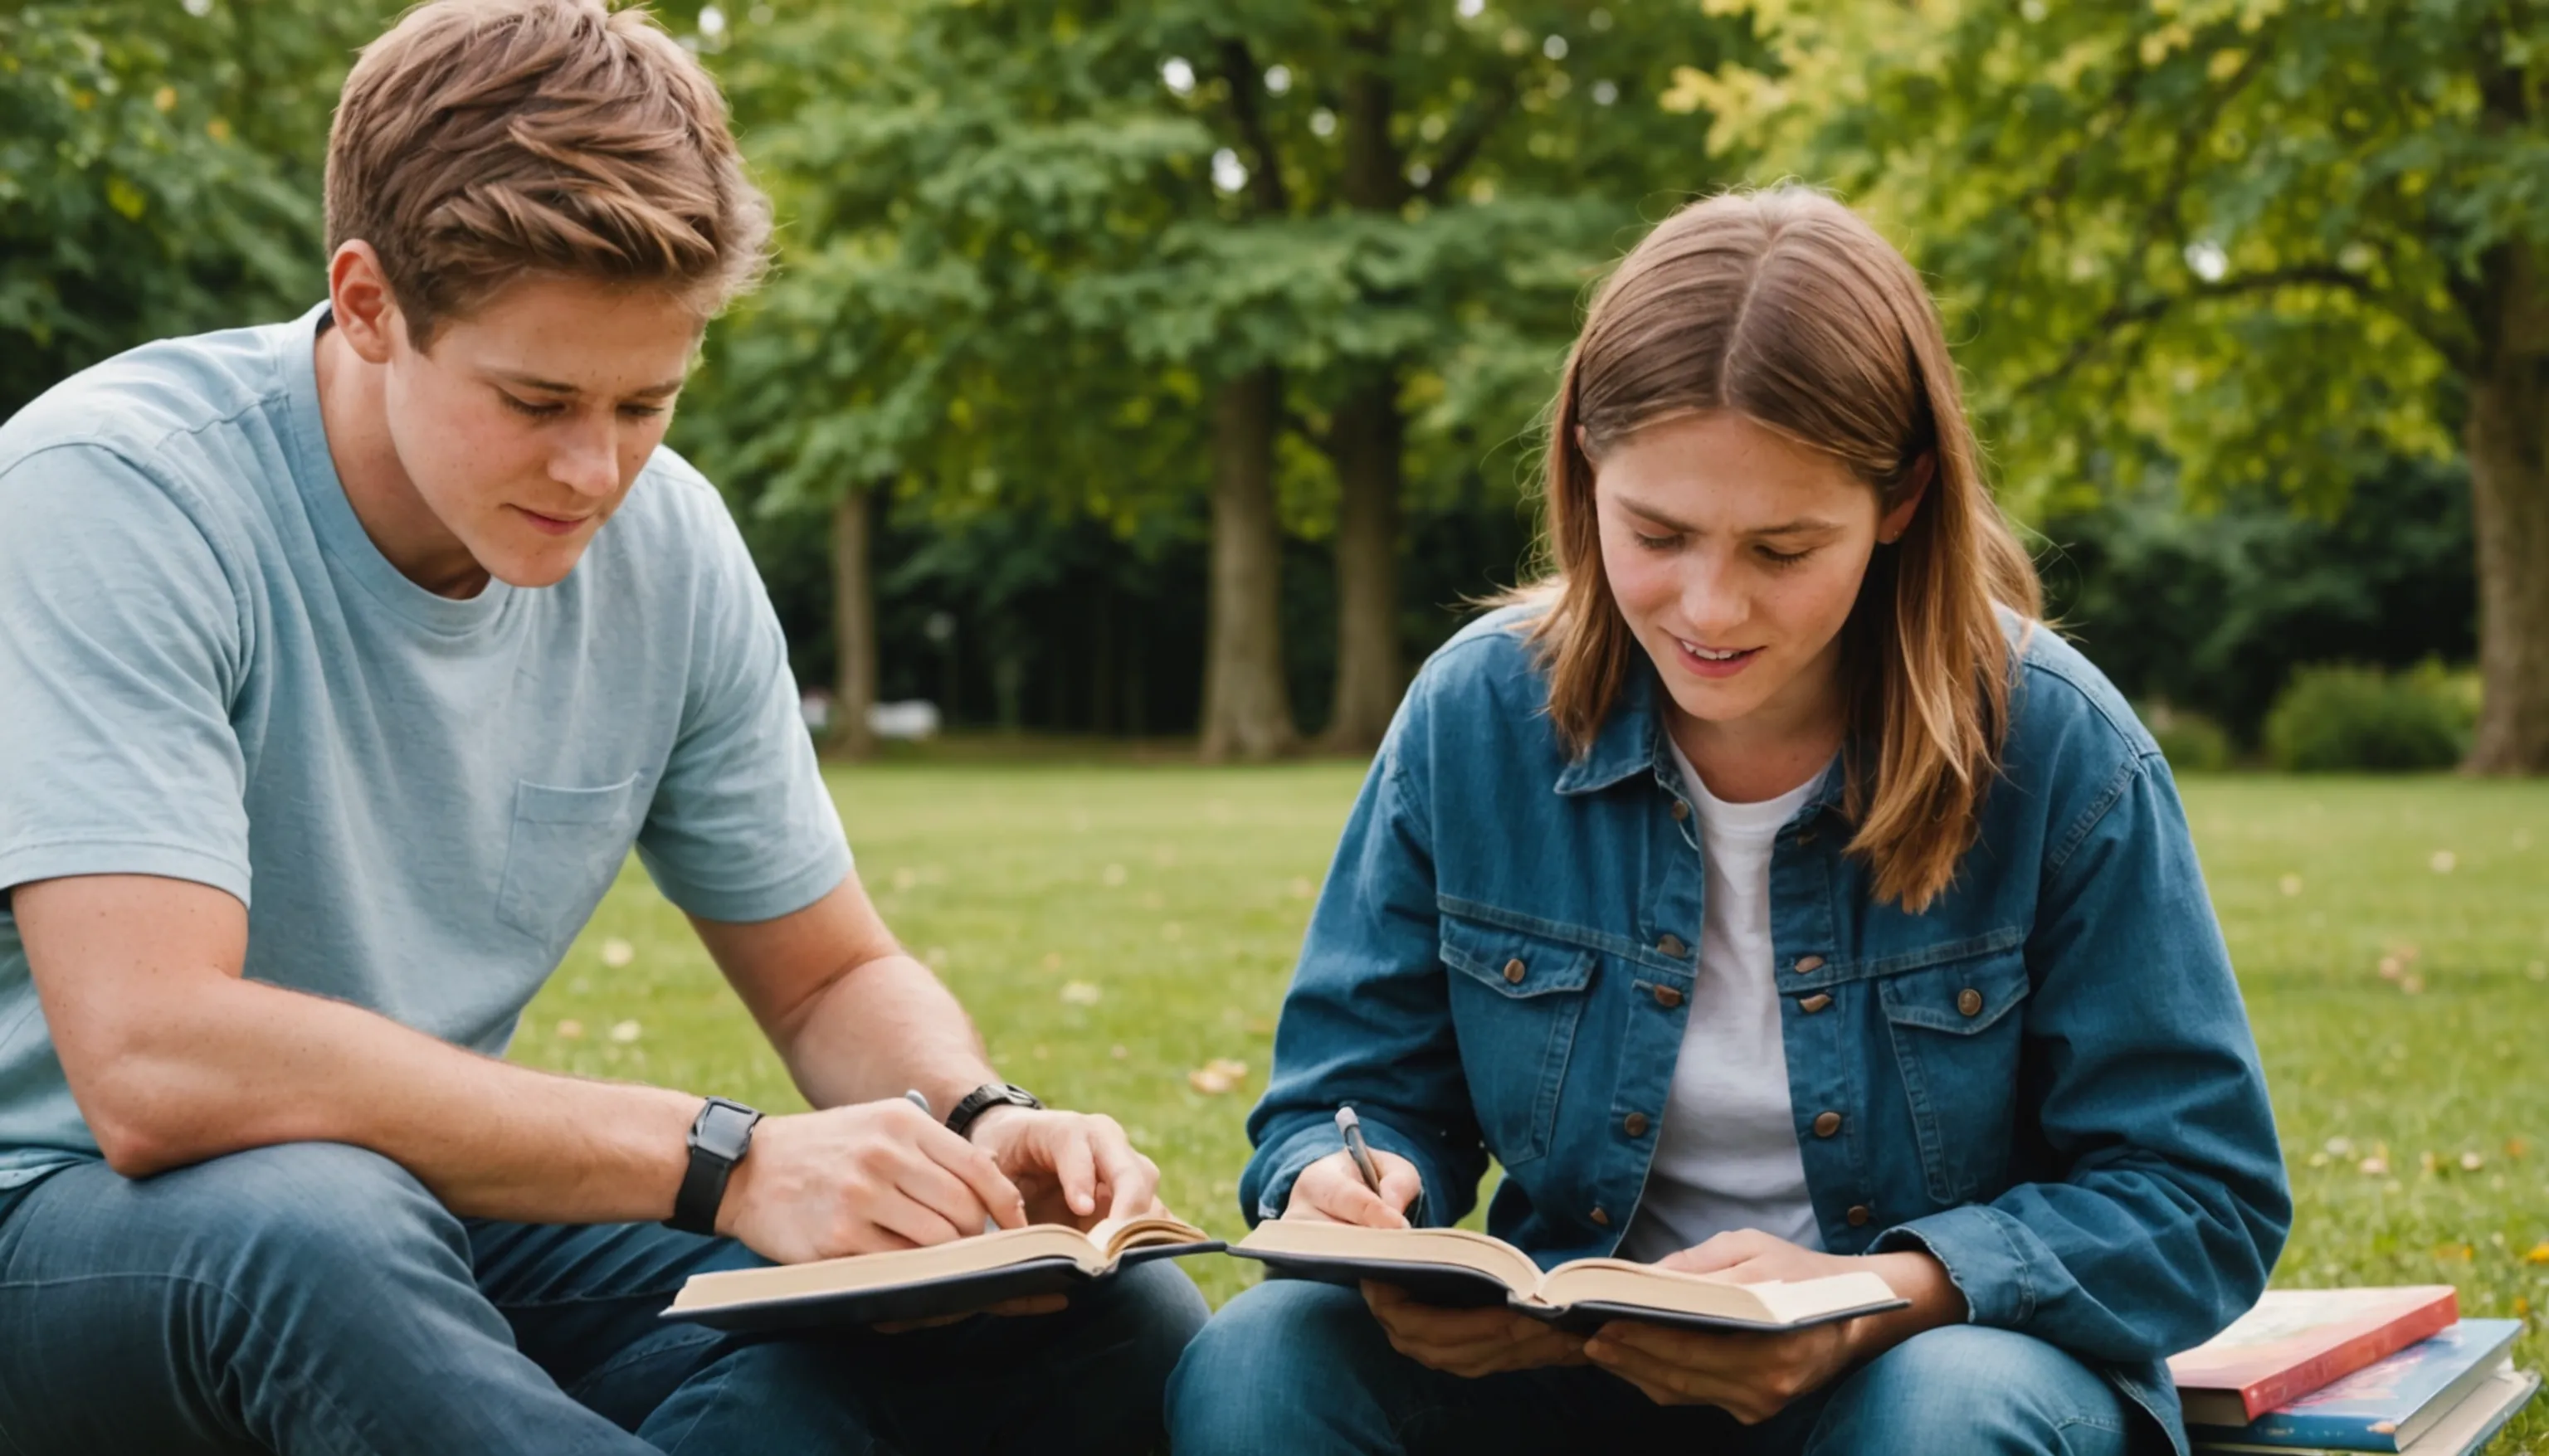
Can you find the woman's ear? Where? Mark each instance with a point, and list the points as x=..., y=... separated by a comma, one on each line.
x=1895, y=521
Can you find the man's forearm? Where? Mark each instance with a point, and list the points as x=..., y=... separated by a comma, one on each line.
x=882, y=1028
x=242, y=1064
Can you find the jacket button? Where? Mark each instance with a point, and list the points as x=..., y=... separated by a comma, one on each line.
x=1635, y=1125
x=1969, y=1001
x=1680, y=810
x=1599, y=1217
x=1814, y=1003
x=1515, y=971
x=1806, y=963
x=1826, y=1123
x=1667, y=998
x=1859, y=1216
x=1672, y=946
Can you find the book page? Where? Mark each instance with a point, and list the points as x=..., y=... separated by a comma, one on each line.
x=897, y=1266
x=1113, y=1236
x=1451, y=1247
x=1620, y=1281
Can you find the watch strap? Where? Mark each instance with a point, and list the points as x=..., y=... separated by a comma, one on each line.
x=983, y=1099
x=719, y=1138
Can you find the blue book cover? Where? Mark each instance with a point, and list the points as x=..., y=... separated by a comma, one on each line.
x=2377, y=1408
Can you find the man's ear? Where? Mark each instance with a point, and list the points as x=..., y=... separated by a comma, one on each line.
x=1898, y=521
x=359, y=297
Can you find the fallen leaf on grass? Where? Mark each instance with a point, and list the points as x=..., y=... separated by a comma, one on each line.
x=2375, y=1166
x=2289, y=884
x=2471, y=1162
x=626, y=1030
x=1080, y=993
x=617, y=953
x=1217, y=1076
x=2444, y=862
x=570, y=1030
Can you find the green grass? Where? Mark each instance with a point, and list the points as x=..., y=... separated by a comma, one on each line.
x=1179, y=894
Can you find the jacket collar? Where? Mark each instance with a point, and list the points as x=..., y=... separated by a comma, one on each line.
x=1632, y=741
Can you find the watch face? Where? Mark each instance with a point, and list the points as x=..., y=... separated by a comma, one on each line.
x=727, y=1130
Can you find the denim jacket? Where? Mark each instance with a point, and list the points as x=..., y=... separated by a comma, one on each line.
x=2046, y=1079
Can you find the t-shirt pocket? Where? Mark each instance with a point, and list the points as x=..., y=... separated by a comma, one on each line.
x=566, y=847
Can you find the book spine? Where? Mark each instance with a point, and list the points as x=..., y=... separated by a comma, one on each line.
x=2296, y=1380
x=2303, y=1433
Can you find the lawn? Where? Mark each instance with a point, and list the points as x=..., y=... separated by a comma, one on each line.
x=1115, y=928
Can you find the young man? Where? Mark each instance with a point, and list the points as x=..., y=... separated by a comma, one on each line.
x=342, y=661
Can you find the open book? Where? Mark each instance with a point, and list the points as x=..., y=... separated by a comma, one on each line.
x=1456, y=1268
x=957, y=1278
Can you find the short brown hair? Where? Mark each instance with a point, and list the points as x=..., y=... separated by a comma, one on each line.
x=482, y=139
x=1788, y=309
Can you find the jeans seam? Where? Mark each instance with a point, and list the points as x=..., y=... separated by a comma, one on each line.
x=723, y=1373
x=637, y=1354
x=320, y=1396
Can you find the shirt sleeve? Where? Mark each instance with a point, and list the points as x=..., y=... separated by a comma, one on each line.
x=2173, y=1205
x=741, y=827
x=1368, y=1018
x=122, y=649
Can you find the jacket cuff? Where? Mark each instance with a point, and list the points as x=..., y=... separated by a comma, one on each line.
x=1984, y=1252
x=1316, y=1142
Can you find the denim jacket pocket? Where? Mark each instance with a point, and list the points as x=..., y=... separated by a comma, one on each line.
x=1516, y=999
x=1957, y=1034
x=567, y=845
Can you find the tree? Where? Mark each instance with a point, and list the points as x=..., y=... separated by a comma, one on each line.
x=159, y=174
x=1412, y=199
x=940, y=176
x=2273, y=241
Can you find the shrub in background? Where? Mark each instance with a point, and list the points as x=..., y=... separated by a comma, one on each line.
x=2191, y=742
x=2333, y=718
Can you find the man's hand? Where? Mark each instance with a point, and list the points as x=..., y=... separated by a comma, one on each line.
x=1073, y=1169
x=1469, y=1343
x=1755, y=1377
x=1332, y=1191
x=860, y=1179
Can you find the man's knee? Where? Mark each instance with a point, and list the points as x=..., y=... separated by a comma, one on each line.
x=307, y=1211
x=1967, y=1389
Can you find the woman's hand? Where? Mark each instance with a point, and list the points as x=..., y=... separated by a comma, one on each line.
x=1753, y=1377
x=1470, y=1342
x=1332, y=1191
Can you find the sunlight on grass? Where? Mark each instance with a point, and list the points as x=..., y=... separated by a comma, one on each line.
x=1116, y=930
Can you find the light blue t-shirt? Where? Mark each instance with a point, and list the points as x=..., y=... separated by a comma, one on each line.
x=208, y=672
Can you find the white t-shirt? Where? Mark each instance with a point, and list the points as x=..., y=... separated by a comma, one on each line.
x=1726, y=1156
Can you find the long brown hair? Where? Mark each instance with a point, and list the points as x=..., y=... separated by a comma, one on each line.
x=1787, y=307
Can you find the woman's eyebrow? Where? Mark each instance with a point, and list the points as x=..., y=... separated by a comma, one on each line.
x=1804, y=525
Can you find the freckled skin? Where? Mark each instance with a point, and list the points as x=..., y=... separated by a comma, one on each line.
x=456, y=456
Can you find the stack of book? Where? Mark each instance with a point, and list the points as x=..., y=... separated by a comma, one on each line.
x=2353, y=1370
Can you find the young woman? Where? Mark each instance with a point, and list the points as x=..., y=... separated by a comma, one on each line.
x=1770, y=896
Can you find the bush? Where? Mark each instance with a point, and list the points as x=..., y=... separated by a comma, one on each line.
x=2191, y=742
x=2335, y=718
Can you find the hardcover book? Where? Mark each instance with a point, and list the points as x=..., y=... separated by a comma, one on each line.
x=2386, y=1405
x=957, y=1278
x=2463, y=1430
x=1456, y=1268
x=2298, y=1339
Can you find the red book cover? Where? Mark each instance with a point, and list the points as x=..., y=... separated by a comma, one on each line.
x=2298, y=1339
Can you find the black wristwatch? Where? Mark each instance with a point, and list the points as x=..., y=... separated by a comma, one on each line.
x=983, y=1099
x=719, y=1138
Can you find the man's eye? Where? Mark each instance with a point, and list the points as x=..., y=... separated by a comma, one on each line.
x=530, y=409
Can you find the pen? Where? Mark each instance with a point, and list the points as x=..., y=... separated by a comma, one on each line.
x=1351, y=1127
x=916, y=1099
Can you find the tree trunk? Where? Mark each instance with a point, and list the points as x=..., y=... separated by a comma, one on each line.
x=853, y=636
x=2508, y=442
x=1246, y=713
x=1367, y=442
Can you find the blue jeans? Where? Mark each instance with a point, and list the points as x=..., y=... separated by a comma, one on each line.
x=1303, y=1369
x=316, y=1298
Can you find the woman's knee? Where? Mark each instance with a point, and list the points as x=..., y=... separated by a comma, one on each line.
x=1242, y=1378
x=1967, y=1389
